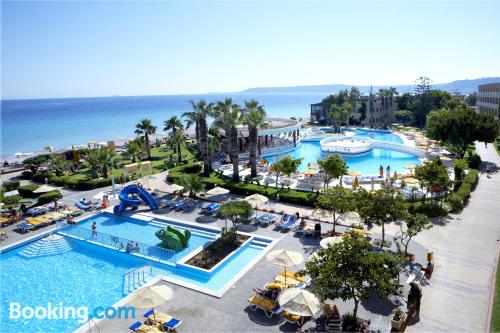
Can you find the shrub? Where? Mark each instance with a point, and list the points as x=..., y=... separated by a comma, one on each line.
x=49, y=197
x=472, y=178
x=12, y=199
x=192, y=168
x=11, y=185
x=430, y=209
x=474, y=161
x=459, y=199
x=456, y=202
x=27, y=191
x=464, y=191
x=26, y=175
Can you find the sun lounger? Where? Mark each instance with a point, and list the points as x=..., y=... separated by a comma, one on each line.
x=24, y=226
x=290, y=224
x=295, y=319
x=283, y=220
x=290, y=282
x=84, y=207
x=269, y=306
x=139, y=327
x=35, y=211
x=265, y=219
x=293, y=275
x=168, y=322
x=3, y=235
x=213, y=208
x=38, y=221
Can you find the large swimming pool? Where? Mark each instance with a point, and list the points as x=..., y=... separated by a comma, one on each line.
x=79, y=273
x=367, y=164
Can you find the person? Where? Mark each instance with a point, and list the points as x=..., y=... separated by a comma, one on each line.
x=317, y=230
x=388, y=172
x=94, y=229
x=415, y=296
x=23, y=209
x=381, y=170
x=122, y=180
x=56, y=206
x=488, y=170
x=69, y=220
x=303, y=223
x=130, y=247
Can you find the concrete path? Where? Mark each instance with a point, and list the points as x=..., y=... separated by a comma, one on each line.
x=465, y=247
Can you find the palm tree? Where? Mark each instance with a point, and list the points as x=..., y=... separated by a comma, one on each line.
x=146, y=128
x=227, y=117
x=254, y=116
x=201, y=110
x=174, y=124
x=176, y=139
x=59, y=165
x=107, y=160
x=133, y=151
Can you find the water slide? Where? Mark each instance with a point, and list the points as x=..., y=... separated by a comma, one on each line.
x=127, y=200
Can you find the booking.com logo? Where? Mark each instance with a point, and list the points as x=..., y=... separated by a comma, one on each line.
x=60, y=311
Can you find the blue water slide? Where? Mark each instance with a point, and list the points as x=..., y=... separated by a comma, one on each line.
x=127, y=200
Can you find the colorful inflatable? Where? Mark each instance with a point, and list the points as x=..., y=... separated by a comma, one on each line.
x=173, y=239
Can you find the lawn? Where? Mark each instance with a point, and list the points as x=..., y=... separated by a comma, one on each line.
x=497, y=144
x=495, y=318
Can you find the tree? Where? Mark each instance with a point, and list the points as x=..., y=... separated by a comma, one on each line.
x=414, y=224
x=471, y=99
x=191, y=183
x=432, y=175
x=92, y=159
x=201, y=110
x=106, y=160
x=388, y=92
x=352, y=269
x=381, y=207
x=59, y=165
x=36, y=162
x=459, y=167
x=176, y=139
x=174, y=124
x=146, y=128
x=404, y=117
x=338, y=200
x=133, y=152
x=488, y=128
x=227, y=117
x=339, y=114
x=254, y=116
x=421, y=105
x=333, y=167
x=285, y=166
x=235, y=211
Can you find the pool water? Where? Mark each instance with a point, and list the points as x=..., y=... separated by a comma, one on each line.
x=367, y=164
x=141, y=231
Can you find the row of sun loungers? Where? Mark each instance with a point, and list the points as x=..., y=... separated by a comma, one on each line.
x=156, y=322
x=43, y=220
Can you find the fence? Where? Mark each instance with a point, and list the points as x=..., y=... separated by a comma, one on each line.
x=146, y=250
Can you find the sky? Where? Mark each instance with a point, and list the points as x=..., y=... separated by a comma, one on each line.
x=90, y=48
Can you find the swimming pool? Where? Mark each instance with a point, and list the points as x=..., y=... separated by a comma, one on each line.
x=79, y=273
x=367, y=164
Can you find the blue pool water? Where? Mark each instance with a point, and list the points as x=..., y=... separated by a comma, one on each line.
x=140, y=231
x=90, y=275
x=366, y=164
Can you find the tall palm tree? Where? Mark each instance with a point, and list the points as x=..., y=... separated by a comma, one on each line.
x=227, y=117
x=254, y=116
x=146, y=128
x=176, y=139
x=174, y=124
x=201, y=110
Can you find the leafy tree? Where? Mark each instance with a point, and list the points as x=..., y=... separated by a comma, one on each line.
x=201, y=110
x=459, y=167
x=414, y=224
x=146, y=128
x=235, y=211
x=338, y=200
x=421, y=104
x=488, y=128
x=333, y=167
x=471, y=99
x=404, y=101
x=59, y=165
x=388, y=92
x=381, y=207
x=432, y=174
x=227, y=117
x=107, y=160
x=174, y=124
x=176, y=139
x=36, y=162
x=339, y=114
x=362, y=111
x=254, y=116
x=133, y=152
x=353, y=270
x=285, y=166
x=404, y=117
x=92, y=159
x=191, y=183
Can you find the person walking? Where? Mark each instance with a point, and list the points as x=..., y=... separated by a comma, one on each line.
x=381, y=170
x=388, y=173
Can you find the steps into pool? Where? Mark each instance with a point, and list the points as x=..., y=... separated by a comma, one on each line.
x=48, y=246
x=136, y=277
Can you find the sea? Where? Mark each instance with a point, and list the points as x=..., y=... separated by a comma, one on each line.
x=29, y=125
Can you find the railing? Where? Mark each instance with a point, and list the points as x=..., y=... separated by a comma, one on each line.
x=273, y=151
x=398, y=147
x=146, y=250
x=136, y=277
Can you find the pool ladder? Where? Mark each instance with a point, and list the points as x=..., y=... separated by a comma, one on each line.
x=136, y=277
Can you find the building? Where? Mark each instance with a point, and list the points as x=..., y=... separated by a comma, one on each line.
x=488, y=99
x=379, y=111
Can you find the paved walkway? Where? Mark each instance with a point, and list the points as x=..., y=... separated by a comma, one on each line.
x=465, y=247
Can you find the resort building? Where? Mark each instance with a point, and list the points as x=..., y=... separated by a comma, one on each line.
x=379, y=111
x=488, y=99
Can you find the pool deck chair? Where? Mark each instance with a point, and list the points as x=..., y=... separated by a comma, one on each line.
x=284, y=219
x=168, y=322
x=265, y=219
x=139, y=327
x=290, y=223
x=213, y=208
x=269, y=306
x=295, y=319
x=24, y=226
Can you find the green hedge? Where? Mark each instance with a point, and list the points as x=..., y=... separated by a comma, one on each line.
x=10, y=200
x=71, y=181
x=11, y=185
x=27, y=191
x=430, y=209
x=49, y=197
x=459, y=199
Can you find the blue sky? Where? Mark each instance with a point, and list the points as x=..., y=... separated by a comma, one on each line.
x=65, y=49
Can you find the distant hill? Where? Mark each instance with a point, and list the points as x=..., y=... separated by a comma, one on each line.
x=459, y=86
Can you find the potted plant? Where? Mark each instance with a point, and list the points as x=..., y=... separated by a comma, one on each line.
x=398, y=319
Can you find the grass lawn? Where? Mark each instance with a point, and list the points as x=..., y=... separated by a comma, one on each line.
x=495, y=318
x=497, y=144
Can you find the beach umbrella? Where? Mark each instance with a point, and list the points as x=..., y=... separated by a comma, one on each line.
x=49, y=148
x=321, y=213
x=171, y=188
x=326, y=242
x=444, y=158
x=354, y=173
x=411, y=181
x=284, y=258
x=356, y=182
x=351, y=218
x=217, y=191
x=313, y=166
x=150, y=297
x=310, y=173
x=299, y=302
x=256, y=200
x=44, y=189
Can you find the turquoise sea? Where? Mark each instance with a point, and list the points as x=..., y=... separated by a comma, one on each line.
x=30, y=125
